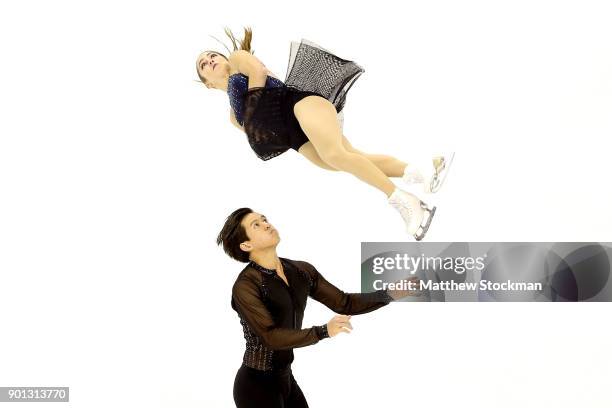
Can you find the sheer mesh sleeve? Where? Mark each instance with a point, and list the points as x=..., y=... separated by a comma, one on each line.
x=341, y=302
x=247, y=299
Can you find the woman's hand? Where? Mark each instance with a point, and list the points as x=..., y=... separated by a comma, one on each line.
x=338, y=324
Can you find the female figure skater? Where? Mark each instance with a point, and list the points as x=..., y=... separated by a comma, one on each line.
x=270, y=296
x=302, y=114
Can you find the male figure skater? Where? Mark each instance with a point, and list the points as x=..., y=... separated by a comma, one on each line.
x=270, y=296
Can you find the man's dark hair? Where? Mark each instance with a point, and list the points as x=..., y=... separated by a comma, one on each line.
x=233, y=234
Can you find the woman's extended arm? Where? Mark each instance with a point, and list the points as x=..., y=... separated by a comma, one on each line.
x=247, y=64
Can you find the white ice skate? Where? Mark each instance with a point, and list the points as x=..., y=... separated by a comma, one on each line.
x=416, y=214
x=432, y=175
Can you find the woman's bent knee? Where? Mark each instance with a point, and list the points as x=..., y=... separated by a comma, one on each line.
x=334, y=156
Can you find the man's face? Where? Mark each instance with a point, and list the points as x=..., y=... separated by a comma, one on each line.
x=261, y=233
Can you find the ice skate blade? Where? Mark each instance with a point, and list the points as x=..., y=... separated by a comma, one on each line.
x=424, y=228
x=436, y=182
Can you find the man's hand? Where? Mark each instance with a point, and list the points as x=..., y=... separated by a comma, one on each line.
x=339, y=323
x=399, y=294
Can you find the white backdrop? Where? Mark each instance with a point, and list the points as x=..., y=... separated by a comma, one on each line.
x=117, y=171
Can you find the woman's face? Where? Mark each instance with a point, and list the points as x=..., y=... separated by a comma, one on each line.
x=213, y=67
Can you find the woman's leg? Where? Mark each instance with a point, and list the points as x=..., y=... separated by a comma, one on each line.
x=389, y=165
x=308, y=151
x=317, y=118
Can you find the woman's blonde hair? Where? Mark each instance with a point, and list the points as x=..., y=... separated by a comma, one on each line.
x=244, y=44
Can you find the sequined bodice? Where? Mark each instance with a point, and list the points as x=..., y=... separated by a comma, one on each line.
x=237, y=86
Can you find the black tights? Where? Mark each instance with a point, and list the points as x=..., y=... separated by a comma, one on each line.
x=257, y=389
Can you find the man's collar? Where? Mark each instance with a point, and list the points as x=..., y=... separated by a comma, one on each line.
x=264, y=269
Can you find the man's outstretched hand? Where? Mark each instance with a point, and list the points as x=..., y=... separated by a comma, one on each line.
x=400, y=294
